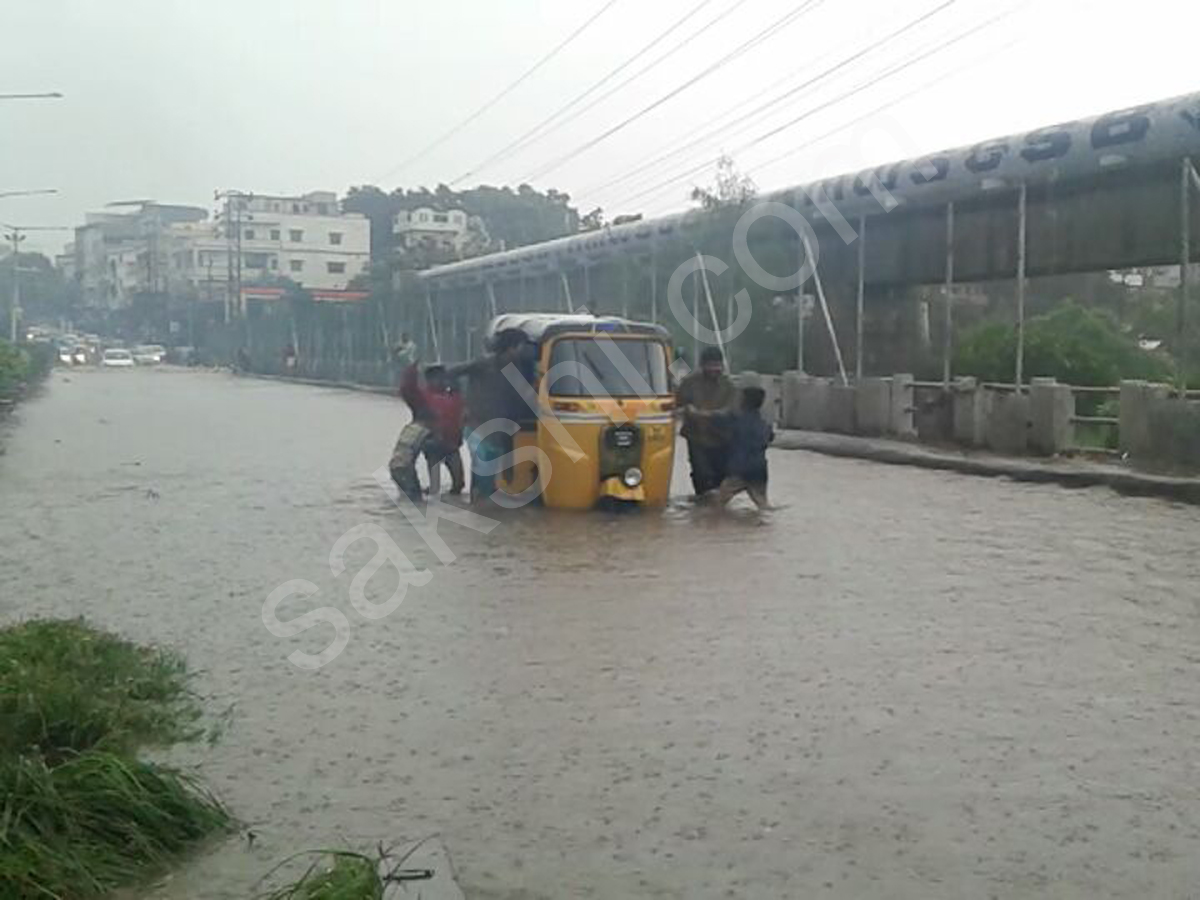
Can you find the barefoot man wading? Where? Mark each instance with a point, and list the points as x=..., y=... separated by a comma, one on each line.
x=705, y=396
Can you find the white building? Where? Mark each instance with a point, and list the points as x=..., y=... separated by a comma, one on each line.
x=451, y=231
x=307, y=239
x=254, y=240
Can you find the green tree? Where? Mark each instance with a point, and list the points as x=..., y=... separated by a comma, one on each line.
x=45, y=294
x=1073, y=344
x=511, y=218
x=729, y=188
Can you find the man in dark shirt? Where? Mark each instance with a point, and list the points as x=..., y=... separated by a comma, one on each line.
x=703, y=396
x=490, y=396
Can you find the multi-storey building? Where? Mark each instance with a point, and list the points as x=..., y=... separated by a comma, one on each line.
x=450, y=231
x=253, y=241
x=118, y=255
x=307, y=239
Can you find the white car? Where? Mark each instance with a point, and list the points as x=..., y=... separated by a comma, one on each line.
x=149, y=354
x=117, y=358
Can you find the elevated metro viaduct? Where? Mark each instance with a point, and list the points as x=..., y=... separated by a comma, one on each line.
x=1115, y=191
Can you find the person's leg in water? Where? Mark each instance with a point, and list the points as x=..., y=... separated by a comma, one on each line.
x=730, y=488
x=436, y=455
x=484, y=450
x=406, y=479
x=403, y=464
x=705, y=464
x=734, y=485
x=453, y=462
x=758, y=493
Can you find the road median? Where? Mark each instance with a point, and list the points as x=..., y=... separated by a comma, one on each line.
x=1068, y=472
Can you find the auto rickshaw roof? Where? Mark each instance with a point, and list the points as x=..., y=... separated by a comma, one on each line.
x=540, y=326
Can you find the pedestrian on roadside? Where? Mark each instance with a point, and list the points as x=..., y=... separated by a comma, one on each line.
x=404, y=354
x=749, y=436
x=703, y=396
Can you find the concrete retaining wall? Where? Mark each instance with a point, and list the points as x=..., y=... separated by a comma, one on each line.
x=873, y=406
x=1173, y=432
x=1153, y=425
x=805, y=402
x=1006, y=429
x=841, y=409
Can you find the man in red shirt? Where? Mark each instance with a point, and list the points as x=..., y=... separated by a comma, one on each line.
x=437, y=404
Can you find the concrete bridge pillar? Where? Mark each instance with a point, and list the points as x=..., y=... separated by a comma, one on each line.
x=903, y=422
x=969, y=411
x=1138, y=399
x=1051, y=406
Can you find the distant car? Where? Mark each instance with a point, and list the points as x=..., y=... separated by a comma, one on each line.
x=65, y=356
x=149, y=354
x=79, y=356
x=117, y=358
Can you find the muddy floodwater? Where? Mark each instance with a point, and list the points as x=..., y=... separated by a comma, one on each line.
x=904, y=684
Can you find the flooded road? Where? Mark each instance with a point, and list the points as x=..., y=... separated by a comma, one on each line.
x=904, y=684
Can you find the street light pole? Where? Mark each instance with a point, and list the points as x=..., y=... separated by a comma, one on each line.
x=6, y=194
x=50, y=95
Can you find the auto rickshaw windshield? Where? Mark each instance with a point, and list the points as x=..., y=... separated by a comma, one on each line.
x=605, y=367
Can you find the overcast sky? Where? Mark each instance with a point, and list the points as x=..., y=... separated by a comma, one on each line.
x=171, y=99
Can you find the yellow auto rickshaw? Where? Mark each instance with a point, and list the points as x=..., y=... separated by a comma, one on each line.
x=604, y=427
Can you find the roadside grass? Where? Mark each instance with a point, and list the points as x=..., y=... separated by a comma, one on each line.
x=66, y=687
x=334, y=875
x=95, y=822
x=79, y=813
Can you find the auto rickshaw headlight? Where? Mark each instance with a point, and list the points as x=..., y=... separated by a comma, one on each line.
x=632, y=477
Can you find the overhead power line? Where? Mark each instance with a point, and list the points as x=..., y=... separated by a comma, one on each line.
x=923, y=86
x=512, y=86
x=771, y=104
x=772, y=29
x=537, y=130
x=857, y=89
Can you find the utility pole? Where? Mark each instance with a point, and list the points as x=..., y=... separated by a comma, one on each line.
x=234, y=203
x=13, y=311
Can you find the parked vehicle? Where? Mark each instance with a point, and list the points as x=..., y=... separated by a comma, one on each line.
x=116, y=358
x=149, y=354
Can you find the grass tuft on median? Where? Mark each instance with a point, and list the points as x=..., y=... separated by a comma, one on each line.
x=334, y=875
x=95, y=822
